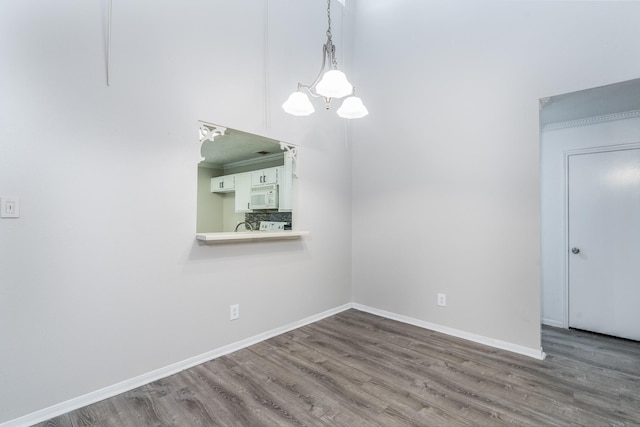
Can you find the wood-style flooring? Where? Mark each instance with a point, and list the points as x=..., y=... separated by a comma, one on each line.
x=357, y=369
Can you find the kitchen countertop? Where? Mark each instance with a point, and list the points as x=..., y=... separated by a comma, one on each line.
x=249, y=236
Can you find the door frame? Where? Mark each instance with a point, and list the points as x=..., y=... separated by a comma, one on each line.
x=567, y=155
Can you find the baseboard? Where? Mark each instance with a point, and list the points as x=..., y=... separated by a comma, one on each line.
x=551, y=322
x=130, y=384
x=503, y=345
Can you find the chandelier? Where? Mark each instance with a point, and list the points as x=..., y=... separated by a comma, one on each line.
x=328, y=85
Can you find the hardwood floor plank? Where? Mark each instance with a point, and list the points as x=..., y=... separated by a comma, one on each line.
x=481, y=377
x=138, y=408
x=241, y=401
x=347, y=393
x=404, y=376
x=424, y=408
x=61, y=421
x=357, y=369
x=308, y=398
x=181, y=394
x=271, y=407
x=100, y=413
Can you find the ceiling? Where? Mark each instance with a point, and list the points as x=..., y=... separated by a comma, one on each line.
x=595, y=102
x=236, y=146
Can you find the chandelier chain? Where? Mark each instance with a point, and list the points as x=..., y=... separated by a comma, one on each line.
x=329, y=18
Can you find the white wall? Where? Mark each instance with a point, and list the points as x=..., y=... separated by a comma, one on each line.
x=446, y=167
x=101, y=278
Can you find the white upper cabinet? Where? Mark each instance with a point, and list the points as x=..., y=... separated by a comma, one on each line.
x=264, y=177
x=223, y=184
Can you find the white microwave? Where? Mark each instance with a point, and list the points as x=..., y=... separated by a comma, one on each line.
x=265, y=197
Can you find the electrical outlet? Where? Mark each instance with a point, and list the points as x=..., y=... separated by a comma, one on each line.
x=442, y=300
x=234, y=312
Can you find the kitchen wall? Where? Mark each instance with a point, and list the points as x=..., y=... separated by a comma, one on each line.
x=209, y=206
x=453, y=141
x=230, y=218
x=101, y=277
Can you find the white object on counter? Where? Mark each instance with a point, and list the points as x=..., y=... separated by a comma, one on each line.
x=272, y=226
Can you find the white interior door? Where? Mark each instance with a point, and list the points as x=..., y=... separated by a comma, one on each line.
x=604, y=242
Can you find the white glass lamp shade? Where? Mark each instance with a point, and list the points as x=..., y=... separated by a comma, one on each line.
x=352, y=108
x=334, y=84
x=298, y=104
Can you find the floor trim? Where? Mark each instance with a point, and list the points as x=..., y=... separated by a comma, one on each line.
x=130, y=384
x=503, y=345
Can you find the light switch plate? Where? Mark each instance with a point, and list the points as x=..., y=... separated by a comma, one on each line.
x=9, y=207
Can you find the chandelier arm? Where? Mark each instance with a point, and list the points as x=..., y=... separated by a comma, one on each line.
x=325, y=55
x=331, y=54
x=311, y=88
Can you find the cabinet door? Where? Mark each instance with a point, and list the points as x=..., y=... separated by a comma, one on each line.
x=243, y=192
x=229, y=182
x=217, y=184
x=257, y=178
x=221, y=184
x=271, y=176
x=264, y=177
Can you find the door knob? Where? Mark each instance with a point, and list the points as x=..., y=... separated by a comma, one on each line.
x=575, y=250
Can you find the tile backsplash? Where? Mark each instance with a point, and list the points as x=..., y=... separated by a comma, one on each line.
x=254, y=218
